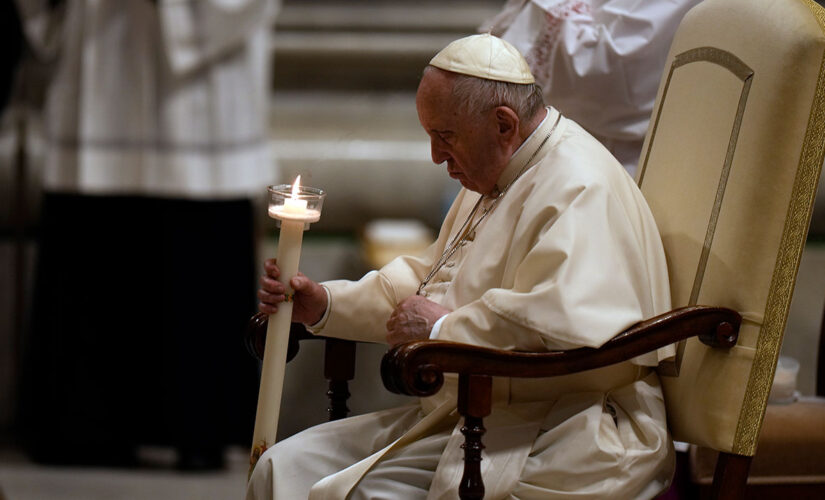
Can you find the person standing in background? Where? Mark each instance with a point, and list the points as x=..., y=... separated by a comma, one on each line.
x=598, y=61
x=157, y=135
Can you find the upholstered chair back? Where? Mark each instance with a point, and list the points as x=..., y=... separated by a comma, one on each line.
x=730, y=167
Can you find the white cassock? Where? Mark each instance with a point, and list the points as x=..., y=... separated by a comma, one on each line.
x=569, y=257
x=598, y=61
x=158, y=98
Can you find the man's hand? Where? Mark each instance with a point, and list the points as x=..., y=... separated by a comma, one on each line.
x=413, y=319
x=310, y=300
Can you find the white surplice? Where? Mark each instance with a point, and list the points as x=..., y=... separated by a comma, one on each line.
x=598, y=61
x=165, y=98
x=569, y=257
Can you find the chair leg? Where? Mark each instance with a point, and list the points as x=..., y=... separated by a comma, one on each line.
x=339, y=368
x=474, y=392
x=730, y=477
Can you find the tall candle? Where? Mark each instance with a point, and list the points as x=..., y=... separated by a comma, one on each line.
x=293, y=215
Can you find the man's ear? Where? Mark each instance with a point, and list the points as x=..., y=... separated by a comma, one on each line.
x=507, y=122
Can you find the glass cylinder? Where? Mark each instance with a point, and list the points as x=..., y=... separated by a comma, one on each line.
x=299, y=203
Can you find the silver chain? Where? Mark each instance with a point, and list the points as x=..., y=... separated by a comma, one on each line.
x=464, y=232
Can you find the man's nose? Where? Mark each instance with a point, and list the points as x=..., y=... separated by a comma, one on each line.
x=438, y=154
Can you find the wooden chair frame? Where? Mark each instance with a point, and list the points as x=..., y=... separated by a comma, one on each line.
x=417, y=369
x=339, y=359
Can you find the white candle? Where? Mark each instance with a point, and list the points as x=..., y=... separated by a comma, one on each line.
x=295, y=205
x=293, y=215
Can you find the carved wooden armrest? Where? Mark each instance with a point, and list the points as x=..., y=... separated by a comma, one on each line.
x=417, y=368
x=339, y=359
x=255, y=337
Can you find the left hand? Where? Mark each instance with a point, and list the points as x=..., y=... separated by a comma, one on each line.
x=413, y=319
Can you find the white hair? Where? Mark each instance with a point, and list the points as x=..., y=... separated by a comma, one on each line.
x=477, y=95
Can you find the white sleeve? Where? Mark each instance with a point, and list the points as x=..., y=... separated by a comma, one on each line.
x=317, y=327
x=437, y=328
x=359, y=310
x=599, y=62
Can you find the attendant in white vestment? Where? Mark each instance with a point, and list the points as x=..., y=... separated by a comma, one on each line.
x=157, y=141
x=598, y=61
x=549, y=245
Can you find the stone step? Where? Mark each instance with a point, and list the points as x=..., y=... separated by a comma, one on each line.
x=366, y=45
x=422, y=16
x=366, y=149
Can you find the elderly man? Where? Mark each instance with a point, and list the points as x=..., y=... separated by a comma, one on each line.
x=549, y=246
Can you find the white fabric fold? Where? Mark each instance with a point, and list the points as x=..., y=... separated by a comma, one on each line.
x=598, y=61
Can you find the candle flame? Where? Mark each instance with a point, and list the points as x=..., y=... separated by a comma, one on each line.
x=296, y=188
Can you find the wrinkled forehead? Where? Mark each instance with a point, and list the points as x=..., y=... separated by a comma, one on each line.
x=434, y=99
x=436, y=85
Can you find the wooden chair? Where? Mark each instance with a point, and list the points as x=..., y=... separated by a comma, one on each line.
x=339, y=359
x=729, y=167
x=791, y=458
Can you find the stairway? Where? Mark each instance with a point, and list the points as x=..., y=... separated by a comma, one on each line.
x=367, y=45
x=343, y=113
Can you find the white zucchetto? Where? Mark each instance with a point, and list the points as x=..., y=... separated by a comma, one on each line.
x=484, y=56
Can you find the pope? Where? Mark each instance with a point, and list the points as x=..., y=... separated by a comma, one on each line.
x=549, y=245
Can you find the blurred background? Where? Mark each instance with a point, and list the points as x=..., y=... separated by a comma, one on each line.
x=340, y=113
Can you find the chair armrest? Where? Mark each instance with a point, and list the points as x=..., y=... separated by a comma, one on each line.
x=255, y=337
x=339, y=359
x=417, y=368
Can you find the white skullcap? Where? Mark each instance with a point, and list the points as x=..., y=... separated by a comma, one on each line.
x=484, y=56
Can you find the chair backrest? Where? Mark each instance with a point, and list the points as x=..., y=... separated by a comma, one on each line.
x=730, y=168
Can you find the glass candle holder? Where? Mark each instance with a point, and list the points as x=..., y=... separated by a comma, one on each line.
x=300, y=203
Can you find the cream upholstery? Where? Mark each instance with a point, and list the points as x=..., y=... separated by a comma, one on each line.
x=791, y=449
x=730, y=168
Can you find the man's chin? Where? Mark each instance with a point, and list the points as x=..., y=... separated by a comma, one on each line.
x=467, y=184
x=463, y=180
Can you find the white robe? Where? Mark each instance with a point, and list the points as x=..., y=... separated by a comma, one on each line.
x=568, y=258
x=165, y=98
x=598, y=61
